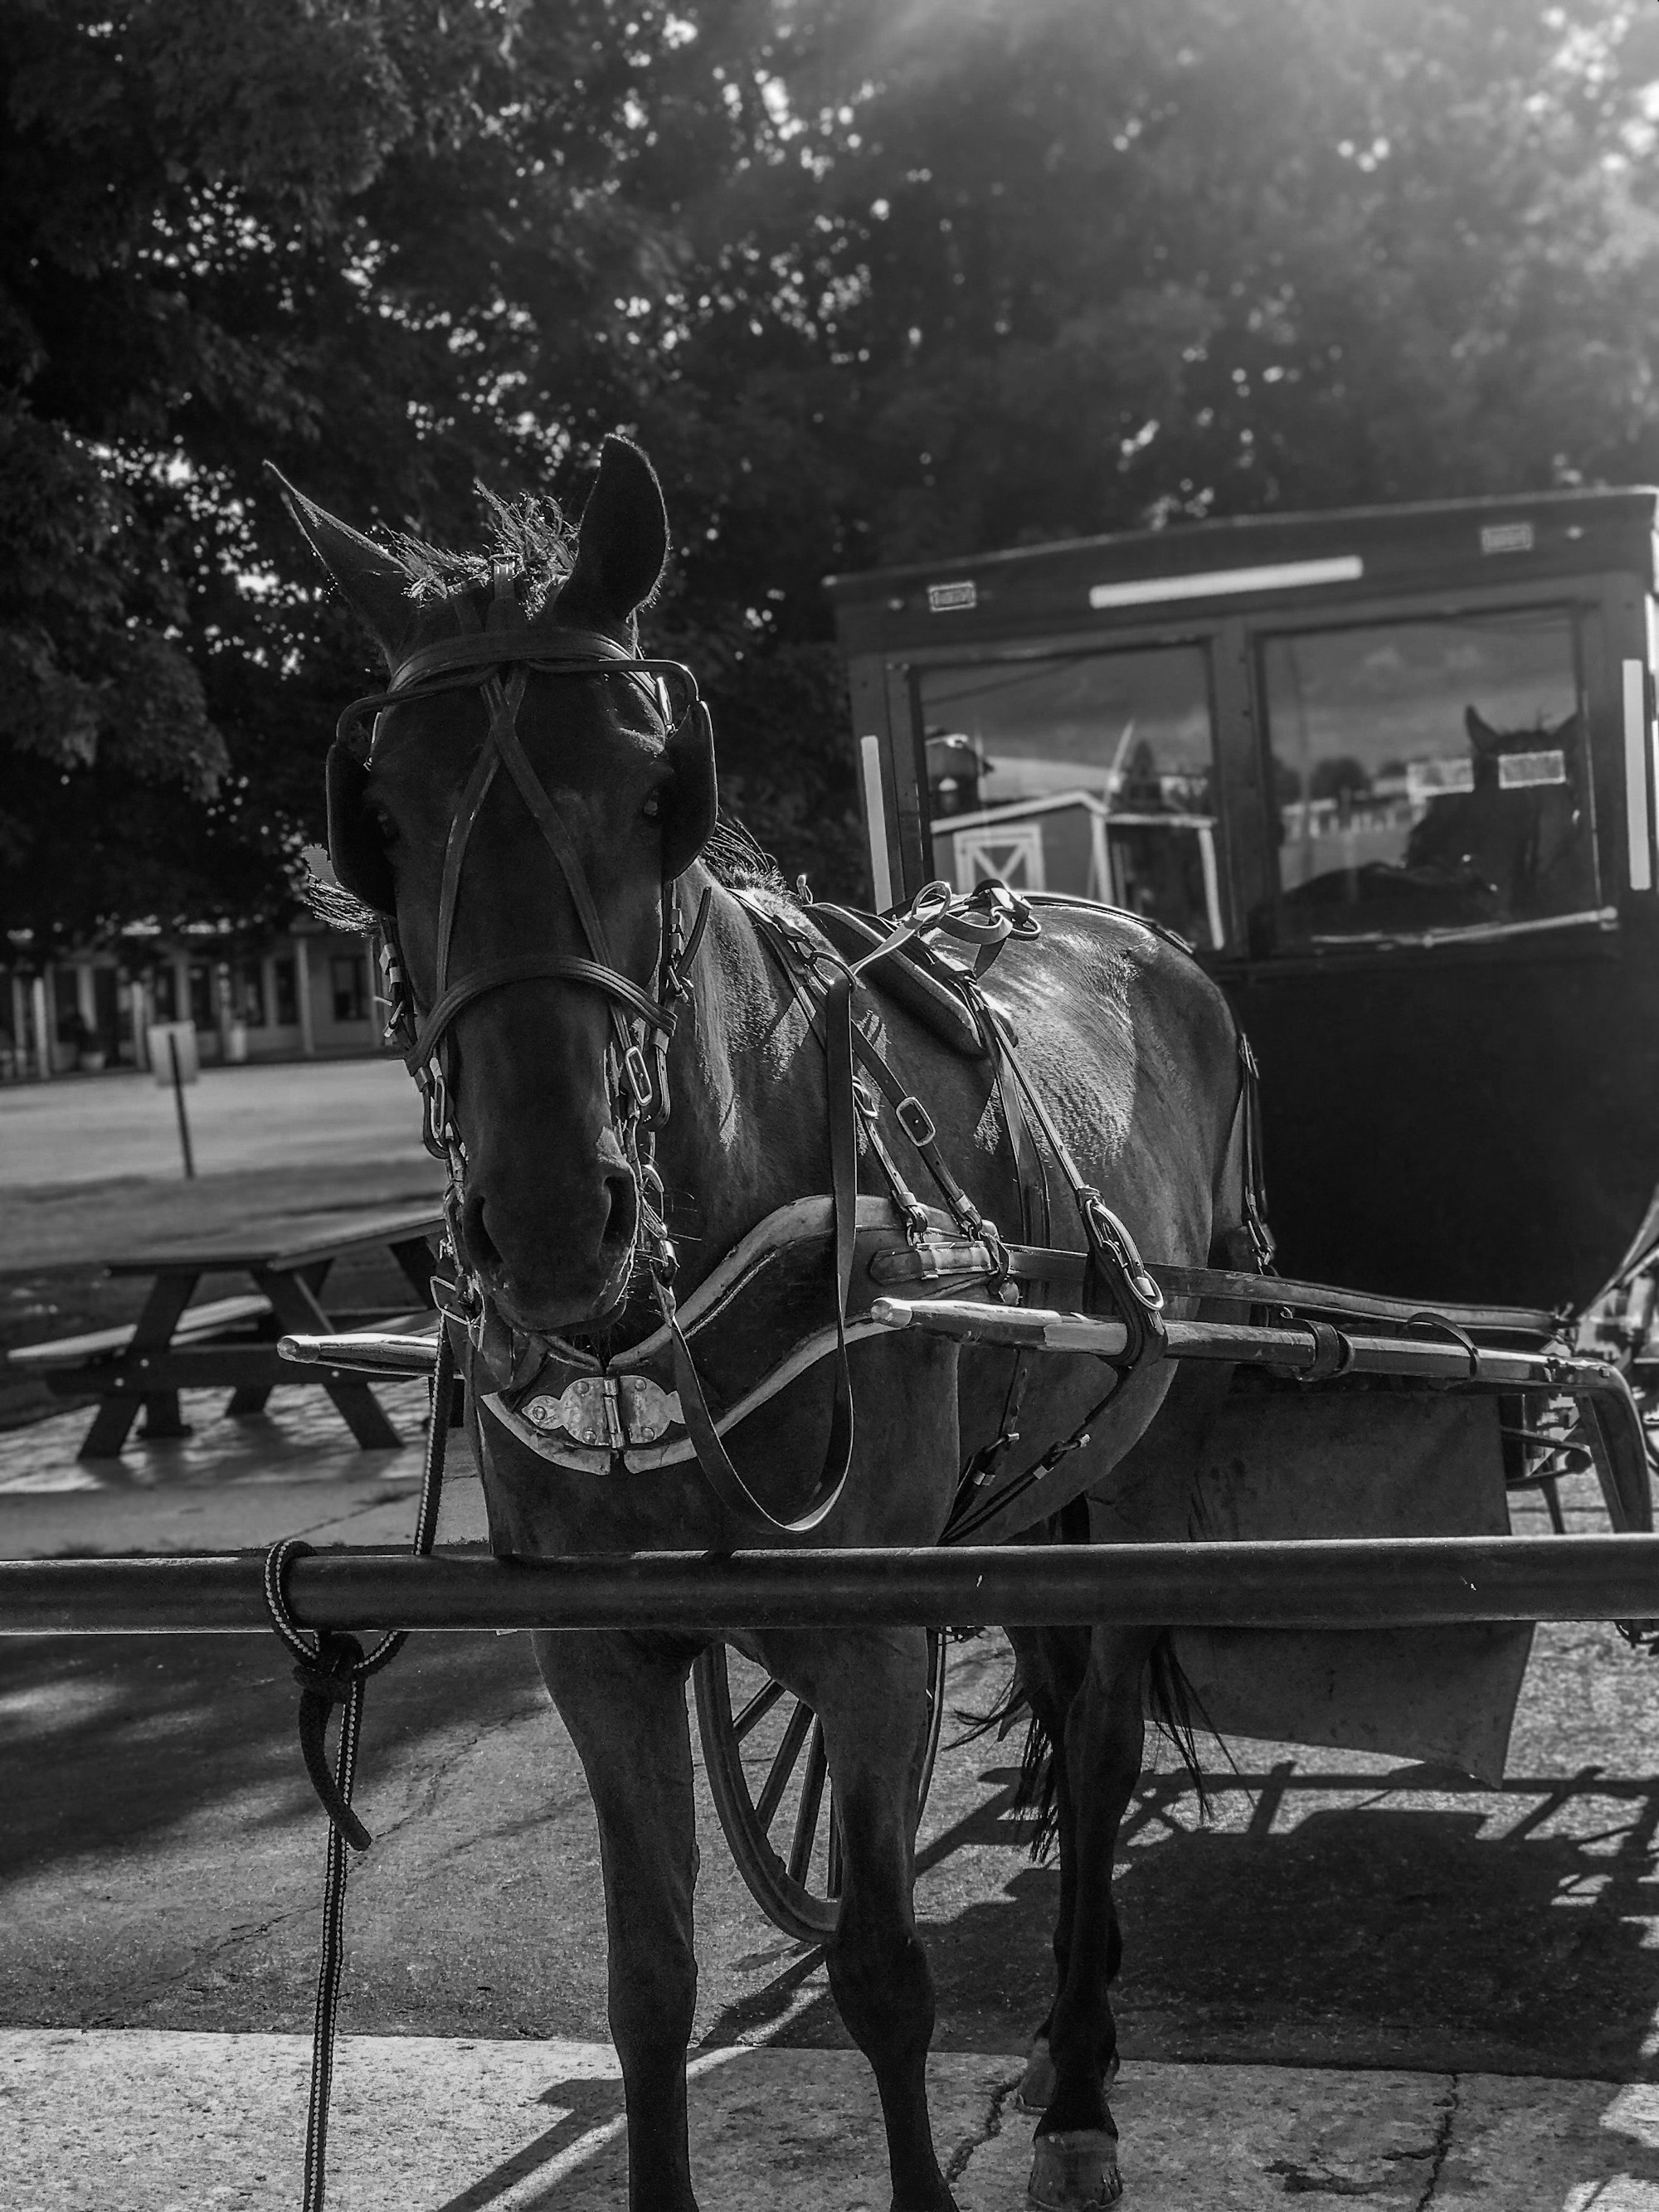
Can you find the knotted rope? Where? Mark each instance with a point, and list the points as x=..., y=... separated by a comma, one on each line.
x=332, y=1668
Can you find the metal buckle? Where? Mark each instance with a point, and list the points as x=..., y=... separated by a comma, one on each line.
x=865, y=1099
x=637, y=1077
x=915, y=1121
x=434, y=1099
x=1109, y=1233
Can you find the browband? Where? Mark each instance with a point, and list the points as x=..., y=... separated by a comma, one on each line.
x=454, y=664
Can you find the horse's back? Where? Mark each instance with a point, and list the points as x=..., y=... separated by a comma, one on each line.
x=1135, y=1052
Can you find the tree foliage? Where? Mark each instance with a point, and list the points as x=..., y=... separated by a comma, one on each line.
x=872, y=282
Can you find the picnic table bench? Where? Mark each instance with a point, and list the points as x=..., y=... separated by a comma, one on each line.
x=231, y=1342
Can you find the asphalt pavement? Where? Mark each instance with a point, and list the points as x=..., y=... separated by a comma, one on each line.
x=91, y=1128
x=1354, y=1976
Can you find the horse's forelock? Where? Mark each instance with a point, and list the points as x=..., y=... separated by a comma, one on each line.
x=531, y=533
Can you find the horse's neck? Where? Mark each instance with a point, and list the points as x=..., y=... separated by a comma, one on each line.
x=747, y=1131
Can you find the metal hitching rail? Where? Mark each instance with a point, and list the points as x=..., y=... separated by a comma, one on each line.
x=1346, y=1584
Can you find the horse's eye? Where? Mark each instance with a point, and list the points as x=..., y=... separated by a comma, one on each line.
x=653, y=808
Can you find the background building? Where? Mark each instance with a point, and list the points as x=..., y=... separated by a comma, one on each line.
x=306, y=992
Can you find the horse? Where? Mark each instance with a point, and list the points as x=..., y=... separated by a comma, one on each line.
x=1510, y=848
x=1517, y=833
x=544, y=969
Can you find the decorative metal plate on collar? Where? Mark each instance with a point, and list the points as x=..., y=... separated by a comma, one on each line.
x=612, y=1412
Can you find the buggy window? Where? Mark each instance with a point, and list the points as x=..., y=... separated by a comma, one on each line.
x=1086, y=773
x=1430, y=777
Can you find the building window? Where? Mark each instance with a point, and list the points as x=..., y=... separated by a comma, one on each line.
x=67, y=1005
x=287, y=992
x=250, y=1000
x=350, y=986
x=202, y=1011
x=164, y=991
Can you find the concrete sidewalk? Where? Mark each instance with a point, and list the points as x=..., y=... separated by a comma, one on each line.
x=138, y=2121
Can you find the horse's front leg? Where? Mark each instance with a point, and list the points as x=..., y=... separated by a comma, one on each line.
x=623, y=1699
x=870, y=1690
x=1074, y=2166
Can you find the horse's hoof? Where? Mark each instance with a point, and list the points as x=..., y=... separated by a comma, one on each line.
x=1036, y=2091
x=1074, y=2170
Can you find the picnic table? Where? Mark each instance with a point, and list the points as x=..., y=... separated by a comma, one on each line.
x=231, y=1342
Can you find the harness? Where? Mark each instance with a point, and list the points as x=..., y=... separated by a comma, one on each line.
x=648, y=1405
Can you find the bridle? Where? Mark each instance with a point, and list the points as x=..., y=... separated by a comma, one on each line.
x=498, y=663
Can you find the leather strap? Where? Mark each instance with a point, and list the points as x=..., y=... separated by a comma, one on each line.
x=525, y=967
x=713, y=1458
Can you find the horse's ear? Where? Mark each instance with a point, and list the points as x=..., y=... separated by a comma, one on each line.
x=692, y=801
x=373, y=580
x=1482, y=736
x=623, y=543
x=354, y=845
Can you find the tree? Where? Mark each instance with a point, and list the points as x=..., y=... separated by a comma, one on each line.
x=871, y=285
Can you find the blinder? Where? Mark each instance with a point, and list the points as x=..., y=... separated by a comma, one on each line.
x=355, y=846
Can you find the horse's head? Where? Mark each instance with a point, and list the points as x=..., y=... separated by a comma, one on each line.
x=1516, y=833
x=532, y=792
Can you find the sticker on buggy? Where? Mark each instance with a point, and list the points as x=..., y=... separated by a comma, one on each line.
x=1521, y=771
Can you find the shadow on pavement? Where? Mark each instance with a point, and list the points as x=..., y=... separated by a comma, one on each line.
x=1438, y=1935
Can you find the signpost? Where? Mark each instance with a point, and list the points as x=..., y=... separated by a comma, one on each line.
x=173, y=1056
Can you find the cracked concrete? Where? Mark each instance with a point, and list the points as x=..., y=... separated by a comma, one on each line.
x=1450, y=2104
x=995, y=2111
x=1243, y=2138
x=152, y=2121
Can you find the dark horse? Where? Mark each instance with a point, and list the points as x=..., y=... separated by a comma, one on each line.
x=1512, y=848
x=1137, y=1056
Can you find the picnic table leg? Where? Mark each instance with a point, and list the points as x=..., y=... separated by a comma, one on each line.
x=415, y=1258
x=298, y=1310
x=168, y=1296
x=252, y=1397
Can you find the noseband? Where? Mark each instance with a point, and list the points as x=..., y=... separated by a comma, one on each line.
x=498, y=665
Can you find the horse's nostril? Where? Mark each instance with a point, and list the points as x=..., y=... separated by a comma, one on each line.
x=480, y=1245
x=624, y=1214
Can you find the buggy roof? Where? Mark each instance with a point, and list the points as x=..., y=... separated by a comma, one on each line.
x=1258, y=560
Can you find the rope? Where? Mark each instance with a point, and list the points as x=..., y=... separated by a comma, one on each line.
x=331, y=1669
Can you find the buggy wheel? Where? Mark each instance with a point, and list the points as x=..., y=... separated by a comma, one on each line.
x=763, y=1749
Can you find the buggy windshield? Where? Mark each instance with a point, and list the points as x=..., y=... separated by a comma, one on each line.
x=1088, y=773
x=1431, y=777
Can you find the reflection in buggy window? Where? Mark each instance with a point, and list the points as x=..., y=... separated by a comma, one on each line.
x=1432, y=776
x=1089, y=774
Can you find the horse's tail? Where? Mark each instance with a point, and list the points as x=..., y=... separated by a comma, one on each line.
x=1173, y=1705
x=1174, y=1708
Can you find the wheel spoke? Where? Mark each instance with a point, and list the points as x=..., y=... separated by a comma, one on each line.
x=757, y=1709
x=832, y=1879
x=806, y=1813
x=766, y=1805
